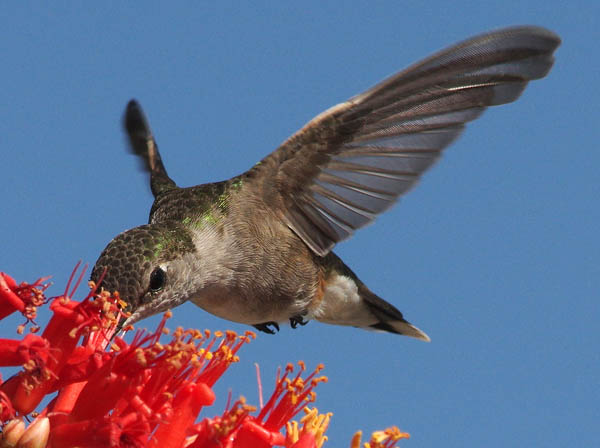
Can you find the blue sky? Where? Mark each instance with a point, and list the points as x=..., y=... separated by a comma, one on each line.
x=494, y=254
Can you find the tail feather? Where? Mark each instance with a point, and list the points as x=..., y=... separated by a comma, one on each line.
x=347, y=301
x=401, y=327
x=390, y=318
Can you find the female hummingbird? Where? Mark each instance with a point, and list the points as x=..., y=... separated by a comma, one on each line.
x=256, y=249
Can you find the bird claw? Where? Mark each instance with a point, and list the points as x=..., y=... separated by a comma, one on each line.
x=297, y=320
x=265, y=327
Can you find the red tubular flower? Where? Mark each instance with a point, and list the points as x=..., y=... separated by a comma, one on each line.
x=237, y=428
x=158, y=388
x=9, y=301
x=219, y=432
x=40, y=379
x=290, y=396
x=100, y=433
x=24, y=298
x=7, y=412
x=32, y=348
x=70, y=321
x=145, y=393
x=188, y=403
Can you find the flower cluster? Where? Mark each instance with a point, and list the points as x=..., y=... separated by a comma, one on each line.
x=146, y=393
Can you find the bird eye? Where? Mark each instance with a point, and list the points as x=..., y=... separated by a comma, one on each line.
x=157, y=279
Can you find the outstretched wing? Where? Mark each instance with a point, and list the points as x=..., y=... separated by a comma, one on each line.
x=143, y=145
x=353, y=161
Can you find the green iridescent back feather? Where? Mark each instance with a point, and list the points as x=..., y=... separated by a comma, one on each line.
x=195, y=206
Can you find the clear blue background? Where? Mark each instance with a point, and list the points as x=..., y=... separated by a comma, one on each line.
x=494, y=254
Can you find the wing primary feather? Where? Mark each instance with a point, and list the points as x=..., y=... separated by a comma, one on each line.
x=324, y=221
x=333, y=222
x=354, y=198
x=144, y=146
x=354, y=160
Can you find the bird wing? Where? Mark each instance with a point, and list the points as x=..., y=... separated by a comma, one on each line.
x=143, y=145
x=353, y=161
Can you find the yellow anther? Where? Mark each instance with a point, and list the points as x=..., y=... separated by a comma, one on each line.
x=197, y=334
x=292, y=433
x=140, y=355
x=29, y=365
x=321, y=379
x=378, y=436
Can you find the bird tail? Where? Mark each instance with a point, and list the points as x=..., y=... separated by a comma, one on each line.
x=347, y=301
x=390, y=319
x=401, y=327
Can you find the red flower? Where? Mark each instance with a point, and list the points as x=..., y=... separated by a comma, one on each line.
x=24, y=298
x=144, y=393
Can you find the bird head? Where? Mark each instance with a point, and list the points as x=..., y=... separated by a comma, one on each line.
x=147, y=266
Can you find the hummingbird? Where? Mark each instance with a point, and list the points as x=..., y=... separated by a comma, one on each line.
x=257, y=249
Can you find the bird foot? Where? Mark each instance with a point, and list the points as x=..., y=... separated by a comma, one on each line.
x=297, y=320
x=265, y=327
